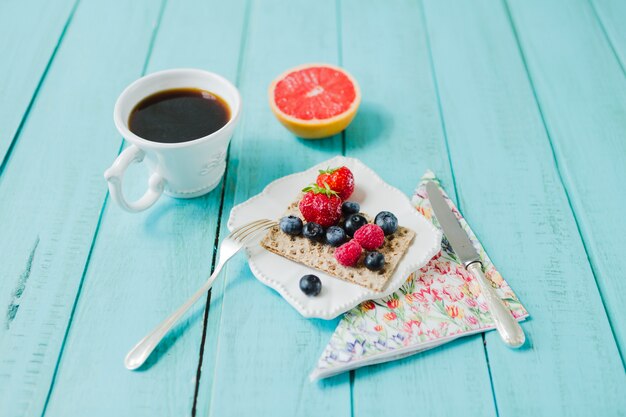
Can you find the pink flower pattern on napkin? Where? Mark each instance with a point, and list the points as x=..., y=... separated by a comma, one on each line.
x=436, y=304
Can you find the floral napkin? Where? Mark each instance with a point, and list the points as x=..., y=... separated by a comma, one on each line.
x=436, y=304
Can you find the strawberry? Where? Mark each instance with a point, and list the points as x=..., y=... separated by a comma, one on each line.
x=339, y=179
x=320, y=205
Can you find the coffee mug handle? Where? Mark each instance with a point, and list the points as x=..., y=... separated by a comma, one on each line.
x=115, y=174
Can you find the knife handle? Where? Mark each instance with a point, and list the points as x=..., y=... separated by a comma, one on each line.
x=509, y=329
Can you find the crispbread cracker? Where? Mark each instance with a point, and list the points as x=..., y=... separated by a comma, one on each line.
x=321, y=256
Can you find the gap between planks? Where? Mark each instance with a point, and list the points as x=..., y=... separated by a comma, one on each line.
x=7, y=156
x=558, y=165
x=606, y=35
x=97, y=229
x=207, y=307
x=452, y=175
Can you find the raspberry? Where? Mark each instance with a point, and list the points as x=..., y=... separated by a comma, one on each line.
x=349, y=253
x=370, y=236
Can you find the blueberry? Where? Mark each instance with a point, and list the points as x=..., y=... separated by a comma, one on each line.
x=310, y=285
x=354, y=223
x=291, y=225
x=313, y=231
x=374, y=261
x=387, y=221
x=350, y=207
x=335, y=235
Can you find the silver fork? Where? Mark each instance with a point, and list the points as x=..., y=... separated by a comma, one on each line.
x=230, y=246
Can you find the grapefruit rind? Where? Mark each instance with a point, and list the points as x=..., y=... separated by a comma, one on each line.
x=315, y=128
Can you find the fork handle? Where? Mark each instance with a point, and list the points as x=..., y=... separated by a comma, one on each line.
x=509, y=329
x=142, y=350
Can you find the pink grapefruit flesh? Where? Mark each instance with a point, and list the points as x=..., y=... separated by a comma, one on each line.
x=316, y=100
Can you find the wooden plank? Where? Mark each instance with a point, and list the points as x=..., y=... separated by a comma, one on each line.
x=581, y=87
x=161, y=257
x=257, y=361
x=511, y=193
x=30, y=31
x=398, y=133
x=52, y=193
x=612, y=14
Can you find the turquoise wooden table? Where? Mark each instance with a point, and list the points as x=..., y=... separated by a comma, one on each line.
x=518, y=105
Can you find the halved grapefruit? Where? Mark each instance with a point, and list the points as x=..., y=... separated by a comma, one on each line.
x=315, y=100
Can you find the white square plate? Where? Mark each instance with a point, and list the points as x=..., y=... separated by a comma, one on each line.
x=337, y=296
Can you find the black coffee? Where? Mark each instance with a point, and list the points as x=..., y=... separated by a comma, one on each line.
x=178, y=115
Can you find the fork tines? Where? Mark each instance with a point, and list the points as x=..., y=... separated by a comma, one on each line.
x=242, y=233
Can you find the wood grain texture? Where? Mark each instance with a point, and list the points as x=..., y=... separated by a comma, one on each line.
x=52, y=192
x=611, y=14
x=511, y=193
x=145, y=265
x=526, y=95
x=398, y=133
x=30, y=30
x=580, y=87
x=256, y=362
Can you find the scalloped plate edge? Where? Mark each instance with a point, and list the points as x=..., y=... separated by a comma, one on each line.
x=403, y=268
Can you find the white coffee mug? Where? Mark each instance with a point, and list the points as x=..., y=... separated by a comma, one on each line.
x=181, y=170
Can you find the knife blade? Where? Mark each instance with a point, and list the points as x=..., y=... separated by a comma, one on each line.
x=509, y=329
x=457, y=237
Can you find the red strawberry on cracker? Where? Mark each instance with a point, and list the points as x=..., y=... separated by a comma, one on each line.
x=339, y=179
x=320, y=205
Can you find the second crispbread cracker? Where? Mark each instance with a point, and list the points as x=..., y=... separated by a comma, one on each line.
x=321, y=256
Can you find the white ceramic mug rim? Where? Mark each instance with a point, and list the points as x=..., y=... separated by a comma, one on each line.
x=122, y=125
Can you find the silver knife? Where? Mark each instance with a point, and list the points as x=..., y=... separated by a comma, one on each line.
x=510, y=330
